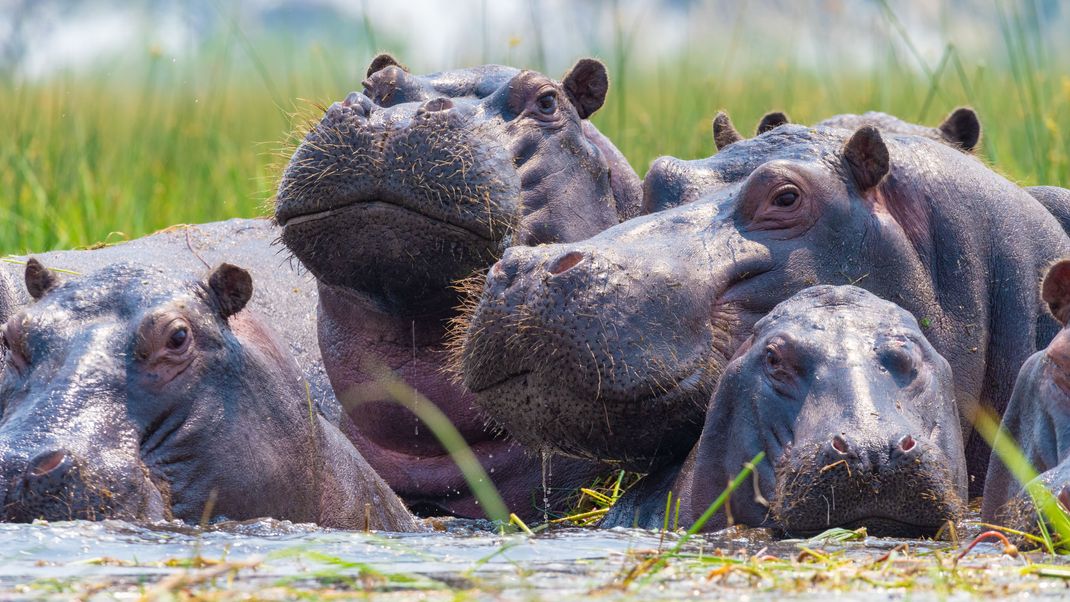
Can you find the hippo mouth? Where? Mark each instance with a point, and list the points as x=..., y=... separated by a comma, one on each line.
x=477, y=227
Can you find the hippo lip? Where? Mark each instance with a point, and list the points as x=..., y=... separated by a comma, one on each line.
x=877, y=524
x=287, y=220
x=681, y=387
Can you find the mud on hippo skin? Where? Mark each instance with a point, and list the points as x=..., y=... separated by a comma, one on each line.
x=1037, y=419
x=610, y=348
x=855, y=412
x=412, y=185
x=130, y=393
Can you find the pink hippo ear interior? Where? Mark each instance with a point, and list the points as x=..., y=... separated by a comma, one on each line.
x=383, y=61
x=1056, y=290
x=232, y=288
x=587, y=84
x=867, y=157
x=39, y=279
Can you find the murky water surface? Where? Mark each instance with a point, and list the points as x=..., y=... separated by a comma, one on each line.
x=468, y=560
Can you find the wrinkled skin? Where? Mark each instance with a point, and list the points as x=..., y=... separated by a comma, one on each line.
x=416, y=183
x=137, y=393
x=1037, y=419
x=832, y=377
x=610, y=348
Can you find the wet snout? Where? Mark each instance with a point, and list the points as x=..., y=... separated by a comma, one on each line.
x=45, y=484
x=870, y=456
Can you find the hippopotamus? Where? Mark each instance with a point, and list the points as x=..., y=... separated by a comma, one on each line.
x=411, y=186
x=961, y=129
x=855, y=412
x=145, y=393
x=1037, y=418
x=610, y=348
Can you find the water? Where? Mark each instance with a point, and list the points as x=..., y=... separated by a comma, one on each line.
x=113, y=559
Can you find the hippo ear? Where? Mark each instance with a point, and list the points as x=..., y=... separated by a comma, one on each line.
x=232, y=287
x=39, y=279
x=867, y=157
x=771, y=121
x=962, y=127
x=724, y=133
x=1056, y=290
x=587, y=84
x=383, y=61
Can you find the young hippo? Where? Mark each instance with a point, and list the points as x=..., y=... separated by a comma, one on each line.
x=610, y=348
x=1037, y=418
x=410, y=186
x=138, y=393
x=855, y=412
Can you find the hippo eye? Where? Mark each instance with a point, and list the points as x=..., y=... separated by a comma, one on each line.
x=547, y=103
x=772, y=358
x=178, y=338
x=786, y=198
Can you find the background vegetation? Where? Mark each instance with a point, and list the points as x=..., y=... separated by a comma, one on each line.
x=149, y=140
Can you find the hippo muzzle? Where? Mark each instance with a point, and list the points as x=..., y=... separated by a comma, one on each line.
x=376, y=197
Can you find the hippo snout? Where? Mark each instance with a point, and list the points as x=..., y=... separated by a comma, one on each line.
x=896, y=485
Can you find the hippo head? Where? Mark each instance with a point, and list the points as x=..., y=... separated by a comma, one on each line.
x=1038, y=417
x=420, y=181
x=677, y=183
x=855, y=412
x=610, y=348
x=130, y=394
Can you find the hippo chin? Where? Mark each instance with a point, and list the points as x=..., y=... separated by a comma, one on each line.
x=1037, y=419
x=855, y=412
x=610, y=348
x=131, y=393
x=412, y=185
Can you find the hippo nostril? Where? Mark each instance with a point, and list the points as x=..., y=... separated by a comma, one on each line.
x=907, y=443
x=565, y=263
x=437, y=104
x=351, y=99
x=840, y=444
x=47, y=462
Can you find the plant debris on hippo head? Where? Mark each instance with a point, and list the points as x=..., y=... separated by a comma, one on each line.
x=610, y=348
x=130, y=393
x=420, y=181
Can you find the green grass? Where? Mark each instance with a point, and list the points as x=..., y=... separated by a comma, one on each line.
x=151, y=141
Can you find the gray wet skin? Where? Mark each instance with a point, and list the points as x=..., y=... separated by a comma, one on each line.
x=610, y=348
x=145, y=394
x=404, y=189
x=1038, y=419
x=855, y=412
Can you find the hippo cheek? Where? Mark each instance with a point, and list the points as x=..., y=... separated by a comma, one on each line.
x=909, y=491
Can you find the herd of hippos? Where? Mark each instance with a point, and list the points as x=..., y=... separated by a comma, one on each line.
x=847, y=297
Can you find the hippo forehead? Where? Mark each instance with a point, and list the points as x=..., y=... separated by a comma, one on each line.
x=787, y=142
x=844, y=312
x=123, y=290
x=474, y=82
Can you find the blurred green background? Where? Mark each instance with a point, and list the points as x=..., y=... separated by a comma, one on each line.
x=120, y=119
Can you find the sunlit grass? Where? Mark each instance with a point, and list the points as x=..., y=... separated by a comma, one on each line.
x=153, y=141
